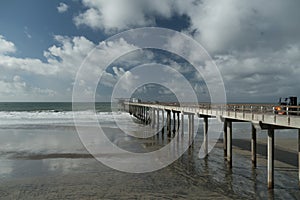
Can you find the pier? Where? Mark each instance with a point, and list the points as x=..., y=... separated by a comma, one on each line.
x=262, y=117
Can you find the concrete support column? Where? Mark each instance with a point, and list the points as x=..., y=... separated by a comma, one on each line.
x=182, y=123
x=270, y=158
x=205, y=135
x=225, y=138
x=299, y=155
x=229, y=143
x=162, y=118
x=253, y=147
x=174, y=123
x=191, y=127
x=140, y=112
x=169, y=123
x=178, y=122
x=153, y=117
x=157, y=112
x=144, y=114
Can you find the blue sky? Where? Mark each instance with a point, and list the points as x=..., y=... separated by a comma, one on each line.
x=32, y=24
x=256, y=45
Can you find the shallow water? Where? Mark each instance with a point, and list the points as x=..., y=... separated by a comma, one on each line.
x=48, y=161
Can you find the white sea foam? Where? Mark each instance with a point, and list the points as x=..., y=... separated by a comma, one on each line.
x=52, y=117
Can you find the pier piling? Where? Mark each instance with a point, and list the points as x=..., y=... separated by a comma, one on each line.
x=178, y=122
x=299, y=155
x=205, y=136
x=182, y=123
x=229, y=143
x=225, y=138
x=174, y=122
x=162, y=119
x=157, y=112
x=270, y=158
x=253, y=146
x=169, y=123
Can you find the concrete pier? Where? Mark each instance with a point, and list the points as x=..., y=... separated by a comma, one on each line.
x=260, y=117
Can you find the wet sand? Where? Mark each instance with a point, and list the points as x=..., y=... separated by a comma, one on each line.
x=76, y=175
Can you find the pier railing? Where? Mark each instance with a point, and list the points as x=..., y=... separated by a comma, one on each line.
x=288, y=116
x=245, y=108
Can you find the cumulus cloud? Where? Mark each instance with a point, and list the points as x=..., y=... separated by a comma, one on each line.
x=261, y=77
x=65, y=58
x=6, y=46
x=18, y=90
x=255, y=43
x=57, y=73
x=62, y=7
x=226, y=26
x=44, y=80
x=218, y=25
x=117, y=15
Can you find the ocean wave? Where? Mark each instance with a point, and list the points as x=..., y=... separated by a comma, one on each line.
x=56, y=117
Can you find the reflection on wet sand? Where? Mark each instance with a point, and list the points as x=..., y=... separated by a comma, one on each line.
x=33, y=168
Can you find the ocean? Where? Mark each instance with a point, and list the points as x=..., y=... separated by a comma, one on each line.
x=43, y=157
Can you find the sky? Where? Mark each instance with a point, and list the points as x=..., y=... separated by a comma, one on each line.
x=254, y=44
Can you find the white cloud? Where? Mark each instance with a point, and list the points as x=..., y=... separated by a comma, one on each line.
x=62, y=7
x=219, y=25
x=6, y=46
x=18, y=90
x=255, y=43
x=57, y=74
x=64, y=59
x=44, y=80
x=111, y=15
x=237, y=25
x=27, y=64
x=261, y=76
x=116, y=15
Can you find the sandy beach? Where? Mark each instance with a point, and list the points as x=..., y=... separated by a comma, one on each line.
x=76, y=175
